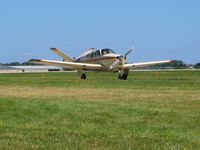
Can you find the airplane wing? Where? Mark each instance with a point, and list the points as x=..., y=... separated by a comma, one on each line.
x=62, y=55
x=71, y=65
x=145, y=64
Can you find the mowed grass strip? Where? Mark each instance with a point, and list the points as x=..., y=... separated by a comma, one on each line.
x=34, y=116
x=100, y=94
x=137, y=80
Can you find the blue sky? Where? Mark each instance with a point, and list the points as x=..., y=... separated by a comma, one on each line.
x=159, y=29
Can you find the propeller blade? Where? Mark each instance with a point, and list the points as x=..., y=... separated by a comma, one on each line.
x=129, y=51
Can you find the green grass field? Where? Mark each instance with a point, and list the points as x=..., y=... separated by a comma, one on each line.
x=151, y=110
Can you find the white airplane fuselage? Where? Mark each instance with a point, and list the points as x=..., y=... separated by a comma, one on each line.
x=104, y=57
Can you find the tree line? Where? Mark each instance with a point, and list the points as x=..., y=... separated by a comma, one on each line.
x=177, y=64
x=18, y=64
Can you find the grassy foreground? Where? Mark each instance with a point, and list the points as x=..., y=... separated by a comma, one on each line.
x=151, y=110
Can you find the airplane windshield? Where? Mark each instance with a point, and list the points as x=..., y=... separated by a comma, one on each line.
x=107, y=51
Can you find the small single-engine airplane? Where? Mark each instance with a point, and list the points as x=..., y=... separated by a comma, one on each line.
x=97, y=60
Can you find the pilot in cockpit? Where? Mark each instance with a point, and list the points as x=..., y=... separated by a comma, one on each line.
x=104, y=52
x=107, y=51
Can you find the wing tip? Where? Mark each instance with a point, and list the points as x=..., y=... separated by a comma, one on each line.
x=166, y=61
x=53, y=49
x=169, y=61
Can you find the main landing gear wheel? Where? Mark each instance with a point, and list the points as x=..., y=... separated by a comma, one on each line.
x=83, y=76
x=123, y=76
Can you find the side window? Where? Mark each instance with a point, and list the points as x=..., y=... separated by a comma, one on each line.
x=92, y=55
x=103, y=52
x=97, y=53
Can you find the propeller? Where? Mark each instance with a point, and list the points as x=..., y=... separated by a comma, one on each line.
x=120, y=59
x=129, y=51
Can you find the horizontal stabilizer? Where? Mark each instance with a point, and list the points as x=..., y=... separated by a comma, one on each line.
x=62, y=55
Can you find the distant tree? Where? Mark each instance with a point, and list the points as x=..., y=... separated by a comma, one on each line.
x=26, y=64
x=30, y=64
x=19, y=64
x=177, y=64
x=13, y=64
x=197, y=66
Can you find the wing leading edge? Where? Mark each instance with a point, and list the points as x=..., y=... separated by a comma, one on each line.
x=71, y=65
x=145, y=64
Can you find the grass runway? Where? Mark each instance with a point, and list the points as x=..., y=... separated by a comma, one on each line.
x=151, y=110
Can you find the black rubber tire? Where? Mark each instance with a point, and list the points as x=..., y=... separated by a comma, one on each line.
x=124, y=77
x=83, y=76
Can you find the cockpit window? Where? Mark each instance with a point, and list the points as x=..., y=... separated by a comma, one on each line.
x=107, y=51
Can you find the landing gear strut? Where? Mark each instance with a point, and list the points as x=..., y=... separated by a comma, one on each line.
x=123, y=75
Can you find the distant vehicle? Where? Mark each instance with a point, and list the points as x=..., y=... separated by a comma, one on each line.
x=100, y=60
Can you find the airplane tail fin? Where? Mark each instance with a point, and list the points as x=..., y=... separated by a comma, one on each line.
x=62, y=55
